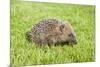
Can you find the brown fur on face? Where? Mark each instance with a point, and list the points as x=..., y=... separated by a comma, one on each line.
x=52, y=31
x=68, y=34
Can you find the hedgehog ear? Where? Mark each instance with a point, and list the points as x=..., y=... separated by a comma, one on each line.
x=61, y=27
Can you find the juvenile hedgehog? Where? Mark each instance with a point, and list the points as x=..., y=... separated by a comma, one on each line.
x=51, y=32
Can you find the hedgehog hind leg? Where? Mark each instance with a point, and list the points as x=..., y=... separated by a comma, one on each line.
x=28, y=36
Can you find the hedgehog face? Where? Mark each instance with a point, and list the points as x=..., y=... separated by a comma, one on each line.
x=68, y=35
x=72, y=38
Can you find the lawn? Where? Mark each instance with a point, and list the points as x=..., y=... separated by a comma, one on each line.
x=25, y=14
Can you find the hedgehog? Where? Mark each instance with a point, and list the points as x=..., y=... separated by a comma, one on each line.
x=52, y=32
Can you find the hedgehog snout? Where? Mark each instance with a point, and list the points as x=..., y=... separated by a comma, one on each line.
x=74, y=41
x=72, y=38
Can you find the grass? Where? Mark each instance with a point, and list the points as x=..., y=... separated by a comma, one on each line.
x=26, y=14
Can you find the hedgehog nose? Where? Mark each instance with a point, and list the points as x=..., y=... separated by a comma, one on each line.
x=74, y=41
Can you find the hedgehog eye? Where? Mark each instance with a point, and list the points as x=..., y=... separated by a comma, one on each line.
x=70, y=34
